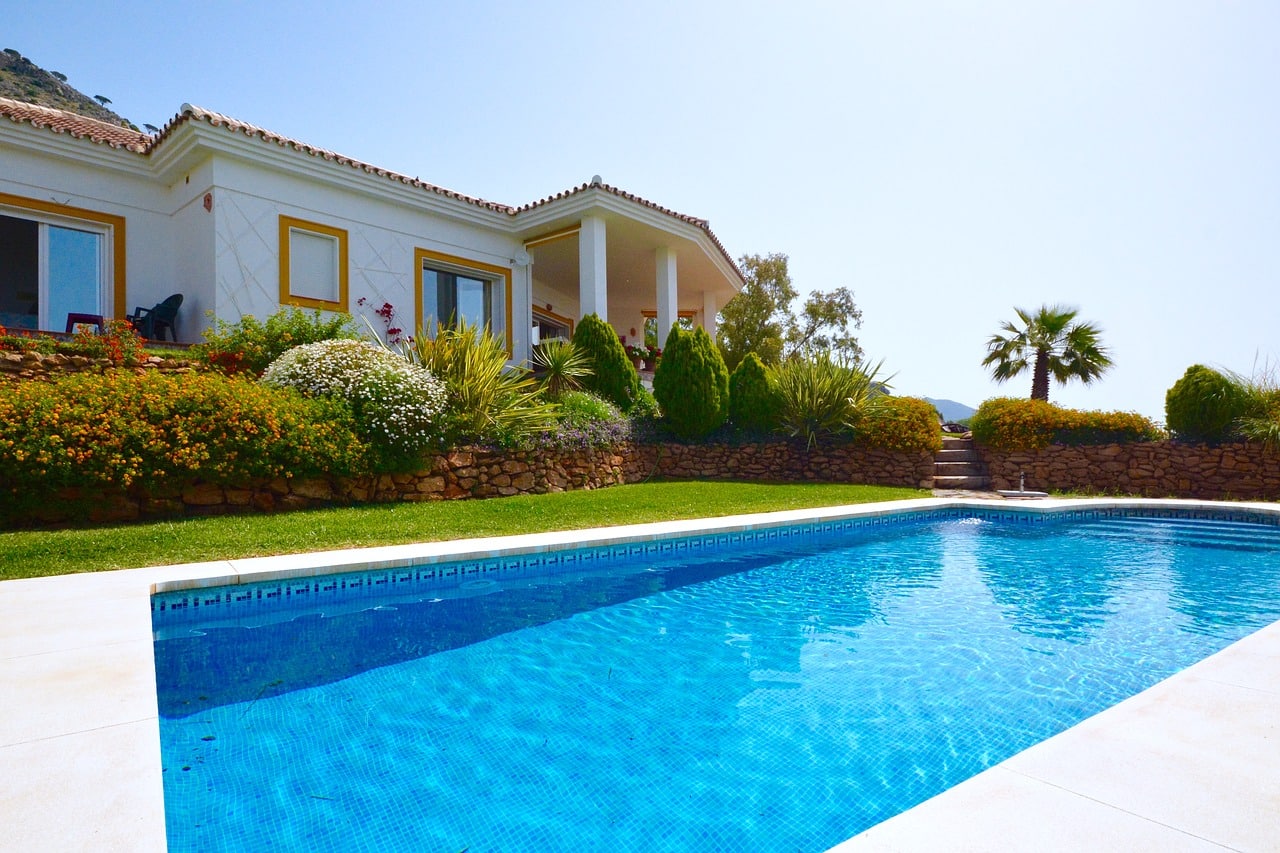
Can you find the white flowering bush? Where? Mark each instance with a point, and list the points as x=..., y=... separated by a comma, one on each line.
x=400, y=405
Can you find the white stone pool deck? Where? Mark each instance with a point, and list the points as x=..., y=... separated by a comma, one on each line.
x=1191, y=764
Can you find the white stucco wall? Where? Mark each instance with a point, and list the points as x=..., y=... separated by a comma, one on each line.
x=382, y=236
x=143, y=202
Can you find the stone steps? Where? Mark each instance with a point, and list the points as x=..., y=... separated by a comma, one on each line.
x=958, y=466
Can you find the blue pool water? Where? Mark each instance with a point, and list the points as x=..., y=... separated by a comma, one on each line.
x=780, y=697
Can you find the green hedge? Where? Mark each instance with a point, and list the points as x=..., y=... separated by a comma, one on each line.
x=118, y=429
x=1005, y=423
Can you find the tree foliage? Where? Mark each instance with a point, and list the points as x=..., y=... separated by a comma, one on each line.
x=691, y=383
x=614, y=376
x=756, y=319
x=1051, y=343
x=760, y=318
x=826, y=325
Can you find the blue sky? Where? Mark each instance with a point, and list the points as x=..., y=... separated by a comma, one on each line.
x=944, y=160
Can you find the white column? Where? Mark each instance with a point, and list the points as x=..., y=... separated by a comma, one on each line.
x=709, y=310
x=592, y=285
x=665, y=261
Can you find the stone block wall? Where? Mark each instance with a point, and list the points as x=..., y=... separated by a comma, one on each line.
x=1156, y=469
x=480, y=473
x=34, y=365
x=784, y=461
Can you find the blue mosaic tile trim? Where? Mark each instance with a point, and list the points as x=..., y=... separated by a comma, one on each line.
x=255, y=599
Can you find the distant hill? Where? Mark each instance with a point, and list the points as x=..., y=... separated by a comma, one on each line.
x=952, y=411
x=23, y=80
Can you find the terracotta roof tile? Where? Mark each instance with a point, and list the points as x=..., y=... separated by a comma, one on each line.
x=60, y=121
x=193, y=113
x=594, y=184
x=78, y=126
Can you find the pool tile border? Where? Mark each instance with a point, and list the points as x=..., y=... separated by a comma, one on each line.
x=248, y=596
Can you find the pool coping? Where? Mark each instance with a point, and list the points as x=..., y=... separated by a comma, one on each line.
x=80, y=752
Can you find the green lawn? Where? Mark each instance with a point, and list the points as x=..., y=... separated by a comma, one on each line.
x=25, y=554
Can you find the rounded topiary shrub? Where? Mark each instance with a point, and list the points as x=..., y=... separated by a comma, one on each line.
x=754, y=405
x=1204, y=406
x=614, y=376
x=692, y=384
x=904, y=424
x=401, y=405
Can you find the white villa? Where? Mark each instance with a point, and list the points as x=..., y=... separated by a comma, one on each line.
x=97, y=219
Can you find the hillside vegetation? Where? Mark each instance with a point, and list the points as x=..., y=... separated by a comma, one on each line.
x=23, y=80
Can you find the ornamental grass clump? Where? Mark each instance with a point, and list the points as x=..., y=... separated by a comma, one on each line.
x=822, y=398
x=561, y=367
x=490, y=402
x=400, y=405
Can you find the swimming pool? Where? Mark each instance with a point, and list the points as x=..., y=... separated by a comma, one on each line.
x=778, y=692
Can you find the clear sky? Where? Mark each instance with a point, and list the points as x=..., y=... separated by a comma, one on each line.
x=947, y=161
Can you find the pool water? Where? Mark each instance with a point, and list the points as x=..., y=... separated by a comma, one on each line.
x=782, y=700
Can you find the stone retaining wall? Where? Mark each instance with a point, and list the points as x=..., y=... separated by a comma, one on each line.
x=478, y=473
x=34, y=365
x=1156, y=469
x=783, y=461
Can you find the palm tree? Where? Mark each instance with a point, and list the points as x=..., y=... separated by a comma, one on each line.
x=1058, y=344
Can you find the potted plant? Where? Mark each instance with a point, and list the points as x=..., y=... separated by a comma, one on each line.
x=637, y=354
x=651, y=355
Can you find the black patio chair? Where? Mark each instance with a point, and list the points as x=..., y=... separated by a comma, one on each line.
x=151, y=322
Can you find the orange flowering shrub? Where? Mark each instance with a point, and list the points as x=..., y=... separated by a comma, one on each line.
x=119, y=342
x=1005, y=423
x=899, y=423
x=118, y=429
x=22, y=340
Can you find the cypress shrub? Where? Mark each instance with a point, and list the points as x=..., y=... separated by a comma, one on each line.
x=692, y=384
x=614, y=376
x=754, y=406
x=1204, y=406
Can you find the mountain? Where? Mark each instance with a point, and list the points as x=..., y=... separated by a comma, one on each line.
x=952, y=411
x=23, y=80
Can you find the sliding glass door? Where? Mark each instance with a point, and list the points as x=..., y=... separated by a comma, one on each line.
x=49, y=270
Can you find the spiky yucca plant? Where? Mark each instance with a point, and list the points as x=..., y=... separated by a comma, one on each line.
x=488, y=401
x=821, y=397
x=563, y=366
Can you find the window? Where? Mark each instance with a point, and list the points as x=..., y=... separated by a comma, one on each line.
x=53, y=263
x=547, y=326
x=313, y=265
x=452, y=290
